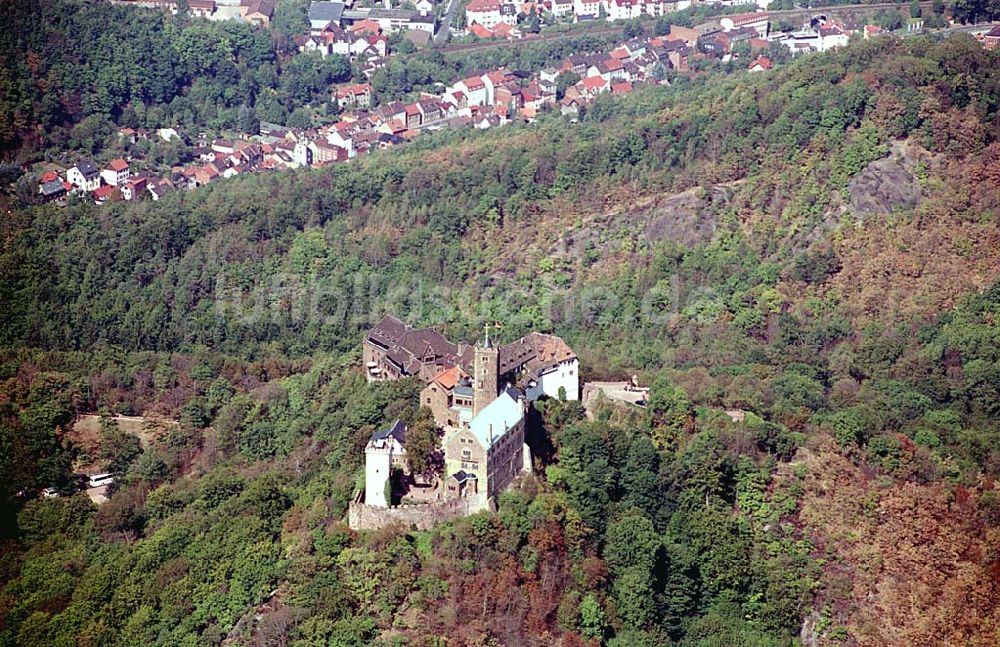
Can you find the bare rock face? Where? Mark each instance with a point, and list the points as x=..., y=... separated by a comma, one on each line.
x=810, y=630
x=884, y=186
x=684, y=218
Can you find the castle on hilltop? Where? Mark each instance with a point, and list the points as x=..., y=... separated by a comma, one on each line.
x=479, y=395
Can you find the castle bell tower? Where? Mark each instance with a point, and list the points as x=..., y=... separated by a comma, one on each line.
x=486, y=368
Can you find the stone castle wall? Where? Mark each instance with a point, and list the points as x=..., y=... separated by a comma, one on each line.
x=419, y=516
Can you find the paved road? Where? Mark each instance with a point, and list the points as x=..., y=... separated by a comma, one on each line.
x=441, y=37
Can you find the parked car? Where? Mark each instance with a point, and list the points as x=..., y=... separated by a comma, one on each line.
x=50, y=492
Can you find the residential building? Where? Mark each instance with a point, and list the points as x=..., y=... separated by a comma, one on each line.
x=475, y=91
x=586, y=9
x=392, y=21
x=134, y=188
x=258, y=12
x=488, y=14
x=562, y=8
x=325, y=153
x=159, y=189
x=103, y=193
x=116, y=173
x=324, y=14
x=761, y=64
x=52, y=189
x=756, y=21
x=84, y=176
x=201, y=8
x=355, y=96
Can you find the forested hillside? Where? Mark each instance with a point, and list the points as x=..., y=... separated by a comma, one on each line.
x=815, y=247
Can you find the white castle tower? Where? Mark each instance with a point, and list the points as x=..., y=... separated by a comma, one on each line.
x=383, y=452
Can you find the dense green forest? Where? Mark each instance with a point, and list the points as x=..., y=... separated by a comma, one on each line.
x=708, y=236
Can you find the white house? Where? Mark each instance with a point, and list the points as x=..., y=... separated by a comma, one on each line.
x=591, y=8
x=490, y=13
x=832, y=37
x=821, y=40
x=562, y=8
x=302, y=154
x=392, y=21
x=383, y=452
x=622, y=9
x=116, y=173
x=474, y=89
x=756, y=21
x=85, y=175
x=342, y=139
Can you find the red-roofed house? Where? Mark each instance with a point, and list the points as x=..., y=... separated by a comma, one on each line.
x=134, y=188
x=475, y=90
x=355, y=96
x=762, y=64
x=413, y=116
x=609, y=69
x=103, y=194
x=116, y=172
x=366, y=27
x=480, y=32
x=205, y=174
x=593, y=85
x=503, y=30
x=621, y=88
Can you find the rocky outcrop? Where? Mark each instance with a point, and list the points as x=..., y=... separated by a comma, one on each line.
x=884, y=186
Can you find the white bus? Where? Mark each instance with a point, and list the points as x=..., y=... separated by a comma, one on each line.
x=97, y=480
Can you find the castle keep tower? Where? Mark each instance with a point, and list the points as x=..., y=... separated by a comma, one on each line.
x=484, y=382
